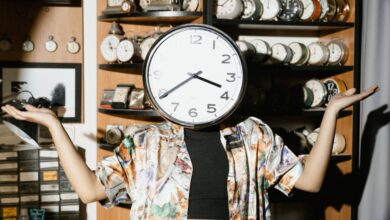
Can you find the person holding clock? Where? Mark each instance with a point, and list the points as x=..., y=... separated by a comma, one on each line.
x=197, y=164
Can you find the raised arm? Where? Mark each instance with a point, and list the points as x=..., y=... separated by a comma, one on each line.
x=317, y=161
x=82, y=179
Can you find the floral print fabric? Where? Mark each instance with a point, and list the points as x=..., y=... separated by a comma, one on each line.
x=152, y=170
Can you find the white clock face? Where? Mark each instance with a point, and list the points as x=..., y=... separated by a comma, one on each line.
x=229, y=9
x=125, y=50
x=108, y=48
x=319, y=92
x=51, y=46
x=300, y=53
x=263, y=50
x=271, y=9
x=324, y=8
x=281, y=53
x=308, y=9
x=337, y=52
x=319, y=54
x=146, y=45
x=73, y=47
x=195, y=76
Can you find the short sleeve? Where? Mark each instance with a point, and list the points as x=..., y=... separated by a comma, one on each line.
x=282, y=166
x=110, y=172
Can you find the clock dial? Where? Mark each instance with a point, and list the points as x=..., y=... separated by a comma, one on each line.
x=281, y=53
x=113, y=3
x=300, y=53
x=338, y=52
x=263, y=50
x=108, y=48
x=125, y=50
x=311, y=10
x=252, y=10
x=292, y=10
x=229, y=9
x=319, y=54
x=271, y=9
x=319, y=92
x=195, y=75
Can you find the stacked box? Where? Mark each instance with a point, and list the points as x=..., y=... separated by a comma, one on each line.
x=35, y=179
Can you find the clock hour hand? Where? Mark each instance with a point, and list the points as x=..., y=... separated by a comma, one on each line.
x=205, y=80
x=193, y=75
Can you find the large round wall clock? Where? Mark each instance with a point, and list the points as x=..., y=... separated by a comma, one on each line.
x=195, y=76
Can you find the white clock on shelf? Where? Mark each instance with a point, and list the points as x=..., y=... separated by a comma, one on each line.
x=229, y=9
x=111, y=42
x=319, y=53
x=319, y=91
x=271, y=9
x=195, y=75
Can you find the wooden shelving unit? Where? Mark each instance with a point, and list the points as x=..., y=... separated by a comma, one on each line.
x=154, y=17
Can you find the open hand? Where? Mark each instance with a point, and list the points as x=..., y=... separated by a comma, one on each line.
x=42, y=116
x=348, y=98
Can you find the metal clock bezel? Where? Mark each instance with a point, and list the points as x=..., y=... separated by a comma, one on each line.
x=147, y=87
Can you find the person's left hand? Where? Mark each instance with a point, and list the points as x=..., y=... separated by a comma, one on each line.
x=348, y=98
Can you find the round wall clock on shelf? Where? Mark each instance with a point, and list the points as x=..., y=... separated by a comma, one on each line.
x=195, y=76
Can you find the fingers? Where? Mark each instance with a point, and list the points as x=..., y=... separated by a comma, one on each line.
x=12, y=111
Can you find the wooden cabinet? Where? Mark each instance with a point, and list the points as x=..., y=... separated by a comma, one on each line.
x=333, y=193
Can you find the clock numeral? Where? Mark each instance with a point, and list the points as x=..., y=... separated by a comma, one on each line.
x=176, y=104
x=213, y=44
x=196, y=39
x=225, y=96
x=232, y=77
x=192, y=112
x=211, y=108
x=226, y=58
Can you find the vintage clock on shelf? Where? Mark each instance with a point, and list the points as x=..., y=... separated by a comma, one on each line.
x=195, y=76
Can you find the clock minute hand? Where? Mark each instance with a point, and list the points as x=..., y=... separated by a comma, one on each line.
x=193, y=75
x=206, y=80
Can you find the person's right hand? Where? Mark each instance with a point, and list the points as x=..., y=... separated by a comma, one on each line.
x=42, y=116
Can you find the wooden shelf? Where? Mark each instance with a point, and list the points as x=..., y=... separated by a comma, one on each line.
x=299, y=70
x=314, y=112
x=153, y=17
x=282, y=25
x=130, y=112
x=122, y=67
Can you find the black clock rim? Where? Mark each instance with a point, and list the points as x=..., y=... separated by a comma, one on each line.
x=182, y=123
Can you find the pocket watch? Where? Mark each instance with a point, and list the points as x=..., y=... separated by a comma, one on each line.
x=301, y=53
x=281, y=53
x=128, y=6
x=229, y=9
x=252, y=10
x=311, y=10
x=207, y=86
x=319, y=91
x=334, y=87
x=28, y=45
x=247, y=49
x=271, y=9
x=110, y=43
x=5, y=43
x=343, y=11
x=73, y=46
x=328, y=10
x=190, y=5
x=51, y=44
x=291, y=10
x=263, y=50
x=127, y=49
x=319, y=53
x=338, y=52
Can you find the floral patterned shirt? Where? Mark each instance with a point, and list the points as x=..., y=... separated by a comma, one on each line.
x=152, y=170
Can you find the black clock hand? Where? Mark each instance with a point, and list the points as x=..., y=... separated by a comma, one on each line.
x=206, y=80
x=193, y=75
